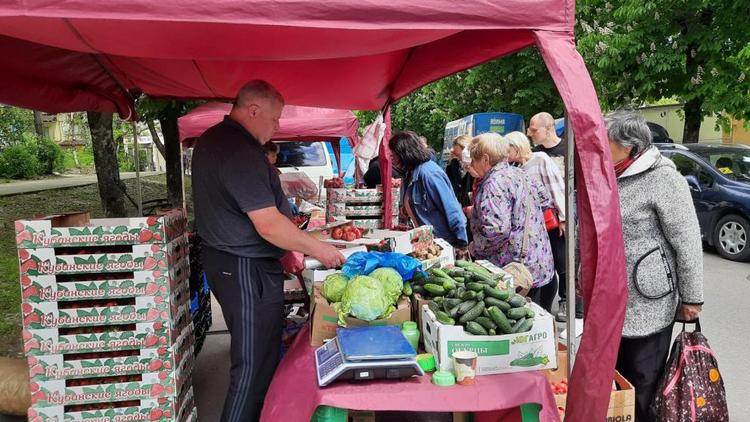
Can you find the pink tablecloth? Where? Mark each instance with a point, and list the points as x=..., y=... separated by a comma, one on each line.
x=294, y=393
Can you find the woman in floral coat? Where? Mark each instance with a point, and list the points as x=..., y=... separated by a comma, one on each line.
x=507, y=220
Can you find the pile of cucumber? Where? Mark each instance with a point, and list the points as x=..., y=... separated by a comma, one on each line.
x=470, y=296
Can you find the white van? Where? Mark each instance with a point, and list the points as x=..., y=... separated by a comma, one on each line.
x=310, y=158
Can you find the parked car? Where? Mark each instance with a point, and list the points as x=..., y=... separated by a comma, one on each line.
x=719, y=180
x=311, y=158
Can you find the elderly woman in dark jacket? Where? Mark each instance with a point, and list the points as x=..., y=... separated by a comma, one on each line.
x=662, y=251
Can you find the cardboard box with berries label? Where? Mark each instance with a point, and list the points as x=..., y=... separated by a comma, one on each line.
x=164, y=409
x=104, y=337
x=348, y=210
x=344, y=195
x=155, y=257
x=54, y=288
x=177, y=358
x=70, y=230
x=93, y=313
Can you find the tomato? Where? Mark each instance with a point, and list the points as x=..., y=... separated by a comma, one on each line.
x=337, y=233
x=349, y=236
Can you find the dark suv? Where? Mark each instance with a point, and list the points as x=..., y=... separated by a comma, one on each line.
x=719, y=180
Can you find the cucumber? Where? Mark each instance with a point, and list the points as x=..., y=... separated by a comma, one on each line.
x=434, y=307
x=459, y=279
x=477, y=287
x=434, y=289
x=516, y=313
x=469, y=295
x=499, y=318
x=460, y=291
x=530, y=313
x=440, y=273
x=517, y=301
x=418, y=289
x=449, y=284
x=476, y=329
x=492, y=332
x=464, y=307
x=480, y=296
x=443, y=318
x=452, y=303
x=468, y=277
x=456, y=272
x=406, y=290
x=418, y=275
x=496, y=293
x=438, y=299
x=463, y=264
x=485, y=312
x=518, y=325
x=485, y=322
x=479, y=271
x=450, y=293
x=526, y=326
x=453, y=313
x=472, y=313
x=491, y=301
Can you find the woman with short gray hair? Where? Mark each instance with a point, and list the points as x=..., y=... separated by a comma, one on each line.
x=662, y=251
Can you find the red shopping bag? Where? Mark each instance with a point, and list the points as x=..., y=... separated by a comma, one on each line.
x=692, y=389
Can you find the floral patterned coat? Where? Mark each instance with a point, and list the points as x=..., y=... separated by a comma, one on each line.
x=499, y=216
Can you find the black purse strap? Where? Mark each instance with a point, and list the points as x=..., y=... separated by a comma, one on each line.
x=697, y=323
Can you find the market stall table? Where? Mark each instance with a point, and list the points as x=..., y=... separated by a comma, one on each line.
x=294, y=393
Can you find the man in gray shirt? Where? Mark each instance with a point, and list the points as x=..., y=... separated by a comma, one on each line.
x=243, y=218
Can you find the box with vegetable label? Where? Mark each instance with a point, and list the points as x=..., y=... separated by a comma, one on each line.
x=530, y=350
x=77, y=230
x=404, y=242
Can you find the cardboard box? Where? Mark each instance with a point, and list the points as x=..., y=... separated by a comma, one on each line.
x=404, y=241
x=621, y=401
x=324, y=319
x=69, y=230
x=342, y=209
x=344, y=195
x=371, y=223
x=154, y=257
x=496, y=353
x=447, y=256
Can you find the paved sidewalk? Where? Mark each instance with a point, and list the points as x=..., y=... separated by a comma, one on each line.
x=28, y=186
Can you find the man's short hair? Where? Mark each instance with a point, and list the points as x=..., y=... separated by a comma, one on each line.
x=256, y=90
x=545, y=119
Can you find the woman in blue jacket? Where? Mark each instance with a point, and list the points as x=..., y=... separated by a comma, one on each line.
x=426, y=194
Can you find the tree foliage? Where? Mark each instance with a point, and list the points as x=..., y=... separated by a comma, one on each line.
x=518, y=83
x=14, y=124
x=696, y=51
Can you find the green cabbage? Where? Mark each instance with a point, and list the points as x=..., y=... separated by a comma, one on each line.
x=334, y=286
x=365, y=299
x=391, y=281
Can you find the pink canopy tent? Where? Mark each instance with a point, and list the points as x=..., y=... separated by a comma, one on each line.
x=296, y=123
x=72, y=55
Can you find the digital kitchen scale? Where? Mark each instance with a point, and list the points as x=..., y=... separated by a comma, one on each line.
x=366, y=353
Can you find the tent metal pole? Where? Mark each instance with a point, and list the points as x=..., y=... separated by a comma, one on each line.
x=570, y=242
x=138, y=193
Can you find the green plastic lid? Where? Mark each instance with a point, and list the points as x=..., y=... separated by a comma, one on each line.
x=443, y=378
x=411, y=325
x=426, y=361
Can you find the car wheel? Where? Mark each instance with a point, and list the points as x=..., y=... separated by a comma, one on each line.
x=732, y=237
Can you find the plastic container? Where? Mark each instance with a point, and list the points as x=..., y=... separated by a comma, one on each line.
x=330, y=414
x=443, y=378
x=426, y=361
x=410, y=331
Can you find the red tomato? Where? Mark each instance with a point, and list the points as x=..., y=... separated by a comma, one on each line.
x=349, y=236
x=337, y=233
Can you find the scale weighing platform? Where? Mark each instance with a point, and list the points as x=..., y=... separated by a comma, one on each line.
x=366, y=353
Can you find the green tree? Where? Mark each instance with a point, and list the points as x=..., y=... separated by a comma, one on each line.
x=519, y=83
x=692, y=50
x=167, y=112
x=14, y=124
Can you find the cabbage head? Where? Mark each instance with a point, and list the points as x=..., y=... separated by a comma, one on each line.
x=365, y=299
x=391, y=281
x=334, y=286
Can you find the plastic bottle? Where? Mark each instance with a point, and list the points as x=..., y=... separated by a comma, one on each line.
x=410, y=331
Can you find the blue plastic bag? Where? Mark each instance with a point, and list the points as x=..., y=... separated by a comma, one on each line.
x=366, y=262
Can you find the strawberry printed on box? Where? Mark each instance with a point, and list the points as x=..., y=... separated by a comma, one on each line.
x=161, y=409
x=154, y=257
x=77, y=230
x=345, y=195
x=53, y=288
x=344, y=210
